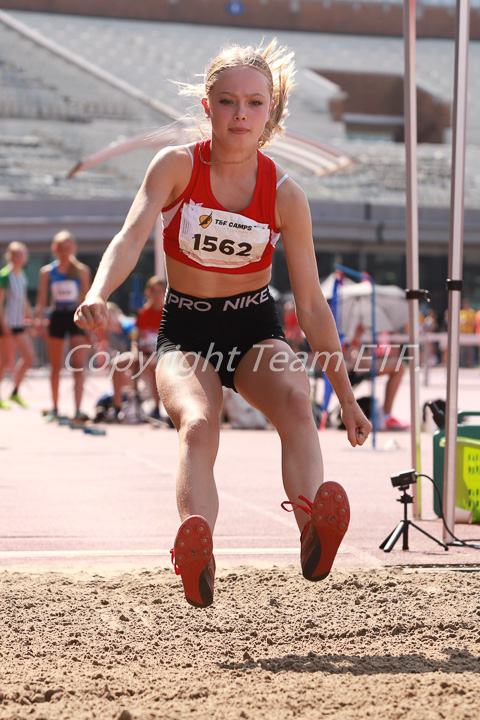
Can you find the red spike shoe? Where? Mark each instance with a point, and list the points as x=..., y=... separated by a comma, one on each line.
x=192, y=558
x=322, y=535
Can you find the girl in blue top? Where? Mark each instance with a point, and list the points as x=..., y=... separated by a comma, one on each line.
x=65, y=281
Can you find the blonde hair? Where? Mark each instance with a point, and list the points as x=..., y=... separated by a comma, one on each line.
x=74, y=267
x=63, y=236
x=14, y=247
x=155, y=280
x=274, y=62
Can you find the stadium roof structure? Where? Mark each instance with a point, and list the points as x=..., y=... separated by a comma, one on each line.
x=73, y=85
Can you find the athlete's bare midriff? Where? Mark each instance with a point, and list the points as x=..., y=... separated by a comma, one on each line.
x=205, y=284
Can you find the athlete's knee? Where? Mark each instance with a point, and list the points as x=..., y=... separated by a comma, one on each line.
x=198, y=431
x=295, y=410
x=299, y=403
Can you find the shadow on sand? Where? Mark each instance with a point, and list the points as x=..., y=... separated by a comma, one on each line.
x=456, y=661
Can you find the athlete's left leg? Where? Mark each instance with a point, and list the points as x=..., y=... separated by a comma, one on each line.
x=272, y=379
x=78, y=358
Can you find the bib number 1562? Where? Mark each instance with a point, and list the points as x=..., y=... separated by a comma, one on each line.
x=209, y=243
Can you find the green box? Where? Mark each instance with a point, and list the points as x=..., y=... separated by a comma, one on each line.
x=468, y=466
x=468, y=476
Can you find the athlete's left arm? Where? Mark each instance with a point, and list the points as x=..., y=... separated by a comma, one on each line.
x=313, y=312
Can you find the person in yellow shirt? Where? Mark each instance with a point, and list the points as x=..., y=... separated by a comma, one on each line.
x=467, y=325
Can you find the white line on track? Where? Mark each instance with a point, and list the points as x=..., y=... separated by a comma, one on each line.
x=161, y=469
x=139, y=553
x=275, y=516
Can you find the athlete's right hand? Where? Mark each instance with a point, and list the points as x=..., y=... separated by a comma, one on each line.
x=92, y=314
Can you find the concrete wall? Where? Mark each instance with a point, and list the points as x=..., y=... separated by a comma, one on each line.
x=358, y=18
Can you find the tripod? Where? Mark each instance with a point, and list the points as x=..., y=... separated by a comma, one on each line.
x=402, y=528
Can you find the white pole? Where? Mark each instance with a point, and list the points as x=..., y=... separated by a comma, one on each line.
x=410, y=114
x=455, y=265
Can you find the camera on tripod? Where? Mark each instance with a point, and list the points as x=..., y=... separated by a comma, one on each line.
x=403, y=480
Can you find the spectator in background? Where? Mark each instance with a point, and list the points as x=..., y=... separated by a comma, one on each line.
x=148, y=324
x=477, y=331
x=14, y=308
x=443, y=343
x=116, y=342
x=388, y=362
x=467, y=326
x=63, y=284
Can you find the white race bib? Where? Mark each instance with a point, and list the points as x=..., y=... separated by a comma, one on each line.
x=65, y=291
x=217, y=238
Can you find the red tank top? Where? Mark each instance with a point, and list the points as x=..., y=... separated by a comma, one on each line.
x=201, y=233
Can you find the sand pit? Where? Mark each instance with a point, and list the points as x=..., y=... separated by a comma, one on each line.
x=390, y=643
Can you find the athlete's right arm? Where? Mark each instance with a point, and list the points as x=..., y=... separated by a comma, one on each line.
x=42, y=292
x=166, y=178
x=42, y=299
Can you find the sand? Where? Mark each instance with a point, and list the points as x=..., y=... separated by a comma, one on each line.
x=386, y=643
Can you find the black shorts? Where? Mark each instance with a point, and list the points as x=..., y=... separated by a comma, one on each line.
x=61, y=324
x=222, y=330
x=14, y=330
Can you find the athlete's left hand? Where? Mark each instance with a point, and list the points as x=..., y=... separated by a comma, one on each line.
x=358, y=426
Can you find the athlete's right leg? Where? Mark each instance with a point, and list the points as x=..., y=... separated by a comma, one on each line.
x=192, y=396
x=395, y=370
x=191, y=392
x=25, y=350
